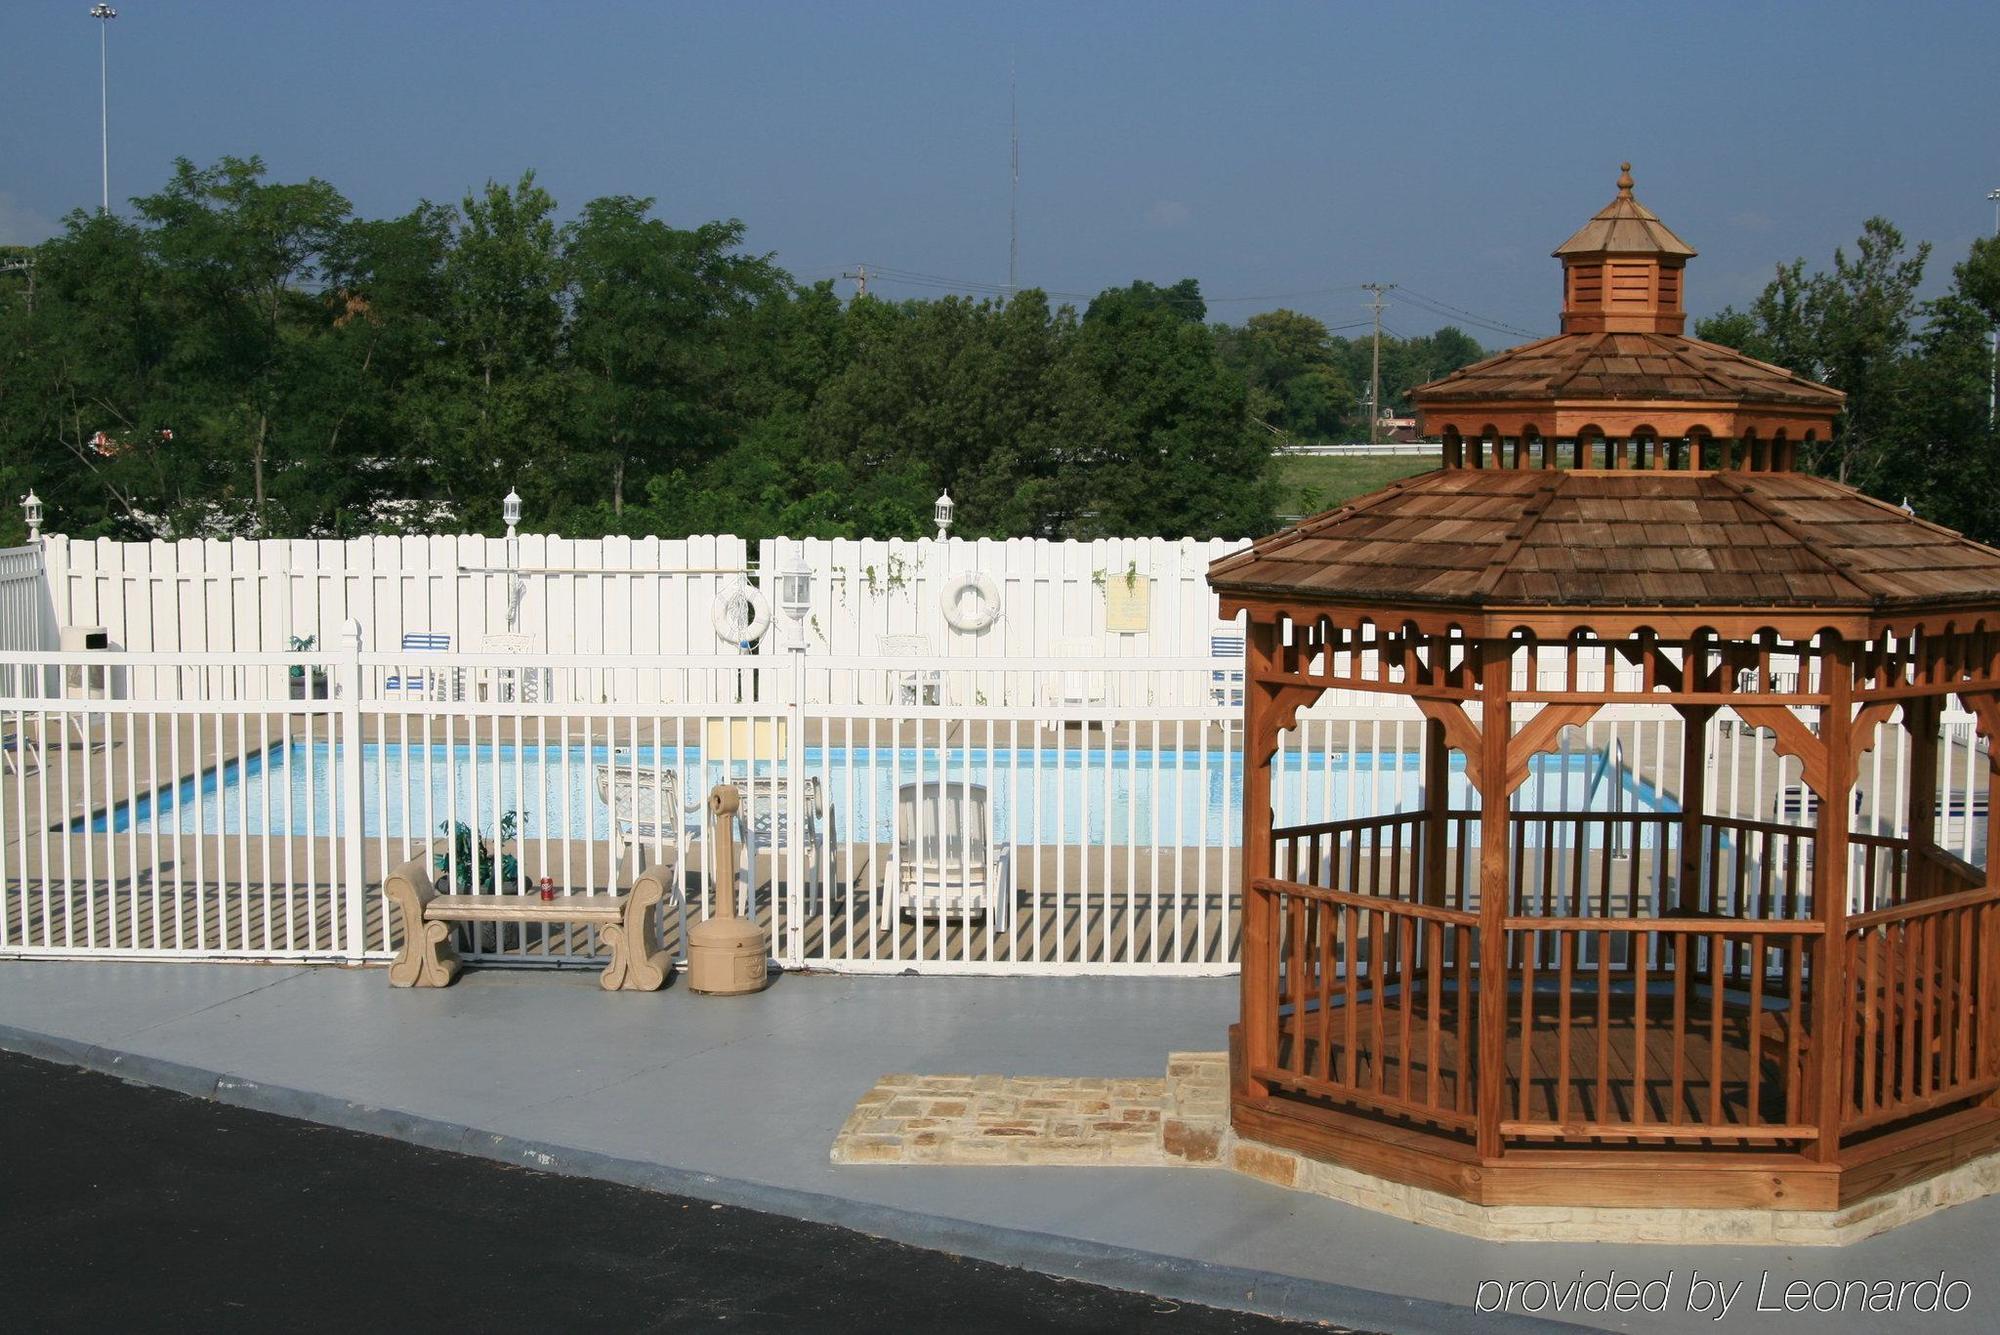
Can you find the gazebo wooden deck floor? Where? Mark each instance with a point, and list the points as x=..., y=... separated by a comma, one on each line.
x=1599, y=1077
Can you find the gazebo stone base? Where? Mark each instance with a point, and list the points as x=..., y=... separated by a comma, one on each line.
x=1183, y=1120
x=1584, y=1223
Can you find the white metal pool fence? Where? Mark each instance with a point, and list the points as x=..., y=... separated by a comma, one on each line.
x=248, y=805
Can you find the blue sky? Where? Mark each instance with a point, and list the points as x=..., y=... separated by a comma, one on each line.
x=1263, y=148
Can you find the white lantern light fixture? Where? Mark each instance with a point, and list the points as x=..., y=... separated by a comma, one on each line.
x=31, y=509
x=943, y=515
x=510, y=510
x=795, y=585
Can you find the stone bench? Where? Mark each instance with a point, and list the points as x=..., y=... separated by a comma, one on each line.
x=626, y=922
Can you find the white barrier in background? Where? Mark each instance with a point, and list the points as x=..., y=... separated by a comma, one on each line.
x=1129, y=598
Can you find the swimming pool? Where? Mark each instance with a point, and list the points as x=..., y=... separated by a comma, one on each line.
x=1191, y=797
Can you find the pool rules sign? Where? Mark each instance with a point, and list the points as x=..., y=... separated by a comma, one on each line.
x=1128, y=601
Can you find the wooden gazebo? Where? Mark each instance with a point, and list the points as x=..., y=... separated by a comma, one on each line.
x=1791, y=1013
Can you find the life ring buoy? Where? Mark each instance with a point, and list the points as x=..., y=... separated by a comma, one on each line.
x=984, y=612
x=741, y=614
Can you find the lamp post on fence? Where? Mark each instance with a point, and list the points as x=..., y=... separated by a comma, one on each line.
x=795, y=598
x=943, y=515
x=510, y=514
x=31, y=510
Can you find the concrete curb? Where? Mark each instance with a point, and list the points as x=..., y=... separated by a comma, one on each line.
x=1171, y=1277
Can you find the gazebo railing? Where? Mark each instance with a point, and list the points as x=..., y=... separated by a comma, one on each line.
x=1924, y=979
x=1373, y=1002
x=1634, y=1014
x=1689, y=1041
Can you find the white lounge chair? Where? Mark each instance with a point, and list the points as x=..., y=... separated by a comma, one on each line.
x=1225, y=686
x=424, y=683
x=945, y=860
x=15, y=743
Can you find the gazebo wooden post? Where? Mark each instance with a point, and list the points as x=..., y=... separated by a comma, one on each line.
x=1920, y=721
x=1258, y=958
x=1830, y=989
x=1437, y=811
x=1694, y=799
x=1495, y=730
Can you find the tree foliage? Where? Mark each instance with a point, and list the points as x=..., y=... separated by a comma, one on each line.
x=1917, y=424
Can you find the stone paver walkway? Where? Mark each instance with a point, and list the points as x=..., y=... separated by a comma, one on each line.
x=993, y=1119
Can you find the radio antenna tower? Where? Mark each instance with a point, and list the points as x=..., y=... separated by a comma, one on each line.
x=1014, y=187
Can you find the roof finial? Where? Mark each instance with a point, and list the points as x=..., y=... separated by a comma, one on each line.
x=1624, y=180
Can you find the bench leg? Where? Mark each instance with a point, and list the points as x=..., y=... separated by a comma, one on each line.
x=637, y=962
x=426, y=957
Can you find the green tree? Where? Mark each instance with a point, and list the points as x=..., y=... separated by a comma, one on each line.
x=238, y=259
x=1852, y=329
x=1177, y=454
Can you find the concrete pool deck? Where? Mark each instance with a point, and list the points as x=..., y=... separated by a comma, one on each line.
x=739, y=1100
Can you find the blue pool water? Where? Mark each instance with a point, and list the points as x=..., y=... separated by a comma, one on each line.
x=1169, y=797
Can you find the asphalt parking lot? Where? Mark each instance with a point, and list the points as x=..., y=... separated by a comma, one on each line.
x=136, y=1208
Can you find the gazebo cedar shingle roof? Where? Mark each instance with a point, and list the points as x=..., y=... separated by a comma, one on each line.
x=1642, y=365
x=1494, y=538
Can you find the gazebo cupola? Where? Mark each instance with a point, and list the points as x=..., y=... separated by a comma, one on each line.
x=1512, y=989
x=1622, y=270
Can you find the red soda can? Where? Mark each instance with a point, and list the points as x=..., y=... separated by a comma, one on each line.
x=548, y=887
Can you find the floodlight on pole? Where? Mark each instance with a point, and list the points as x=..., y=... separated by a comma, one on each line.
x=104, y=14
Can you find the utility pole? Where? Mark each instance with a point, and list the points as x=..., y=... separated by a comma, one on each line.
x=1375, y=375
x=104, y=14
x=860, y=277
x=1014, y=186
x=1993, y=380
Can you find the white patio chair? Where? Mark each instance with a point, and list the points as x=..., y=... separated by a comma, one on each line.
x=511, y=684
x=645, y=806
x=1080, y=685
x=945, y=860
x=911, y=686
x=421, y=682
x=764, y=823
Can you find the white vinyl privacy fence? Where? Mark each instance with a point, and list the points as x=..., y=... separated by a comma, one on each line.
x=1136, y=598
x=1017, y=818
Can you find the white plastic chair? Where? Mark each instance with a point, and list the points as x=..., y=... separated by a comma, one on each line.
x=946, y=860
x=509, y=684
x=911, y=686
x=645, y=805
x=1082, y=685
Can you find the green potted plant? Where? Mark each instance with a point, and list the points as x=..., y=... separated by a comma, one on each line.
x=304, y=644
x=499, y=870
x=499, y=873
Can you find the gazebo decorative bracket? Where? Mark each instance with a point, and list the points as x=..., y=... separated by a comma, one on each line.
x=1793, y=738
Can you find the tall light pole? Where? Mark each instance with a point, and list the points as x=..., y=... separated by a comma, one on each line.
x=104, y=14
x=1993, y=380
